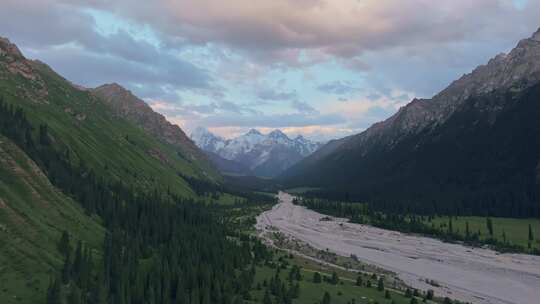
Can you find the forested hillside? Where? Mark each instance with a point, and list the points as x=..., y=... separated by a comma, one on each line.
x=94, y=209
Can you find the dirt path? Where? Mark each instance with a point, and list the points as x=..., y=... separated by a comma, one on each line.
x=469, y=274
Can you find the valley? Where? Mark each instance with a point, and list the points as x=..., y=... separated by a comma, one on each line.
x=474, y=275
x=143, y=160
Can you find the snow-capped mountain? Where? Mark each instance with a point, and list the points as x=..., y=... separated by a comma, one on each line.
x=235, y=148
x=264, y=154
x=206, y=140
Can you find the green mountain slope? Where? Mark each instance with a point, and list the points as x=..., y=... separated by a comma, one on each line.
x=94, y=137
x=86, y=125
x=33, y=214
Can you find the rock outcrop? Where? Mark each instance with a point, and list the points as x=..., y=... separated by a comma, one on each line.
x=12, y=61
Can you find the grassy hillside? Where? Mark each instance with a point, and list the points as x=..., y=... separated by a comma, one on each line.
x=33, y=215
x=113, y=147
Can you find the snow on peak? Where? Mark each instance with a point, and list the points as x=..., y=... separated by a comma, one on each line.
x=277, y=134
x=253, y=132
x=254, y=148
x=200, y=131
x=206, y=140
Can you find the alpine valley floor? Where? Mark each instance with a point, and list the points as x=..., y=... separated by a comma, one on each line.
x=475, y=275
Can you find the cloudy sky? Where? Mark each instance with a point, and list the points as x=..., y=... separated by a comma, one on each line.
x=323, y=68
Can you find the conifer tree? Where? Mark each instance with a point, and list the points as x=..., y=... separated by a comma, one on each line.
x=335, y=278
x=408, y=293
x=54, y=292
x=359, y=280
x=317, y=277
x=63, y=244
x=430, y=294
x=489, y=224
x=326, y=298
x=44, y=135
x=380, y=284
x=78, y=260
x=267, y=299
x=66, y=269
x=74, y=295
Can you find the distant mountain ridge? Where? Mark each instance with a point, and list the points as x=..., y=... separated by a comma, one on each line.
x=439, y=147
x=258, y=154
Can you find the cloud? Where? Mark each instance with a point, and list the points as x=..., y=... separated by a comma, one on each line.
x=91, y=69
x=303, y=107
x=66, y=37
x=273, y=94
x=373, y=96
x=198, y=111
x=345, y=28
x=210, y=62
x=225, y=114
x=338, y=88
x=271, y=121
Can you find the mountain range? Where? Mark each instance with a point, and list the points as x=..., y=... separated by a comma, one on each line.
x=254, y=153
x=474, y=146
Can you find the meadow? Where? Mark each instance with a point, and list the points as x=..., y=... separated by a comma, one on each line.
x=510, y=230
x=344, y=292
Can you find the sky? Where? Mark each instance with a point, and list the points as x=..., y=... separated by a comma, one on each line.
x=321, y=68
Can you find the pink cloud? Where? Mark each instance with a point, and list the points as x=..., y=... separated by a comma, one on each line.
x=343, y=28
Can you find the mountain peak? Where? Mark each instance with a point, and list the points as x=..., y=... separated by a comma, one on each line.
x=536, y=35
x=112, y=87
x=201, y=132
x=277, y=134
x=15, y=63
x=10, y=49
x=253, y=132
x=121, y=97
x=207, y=140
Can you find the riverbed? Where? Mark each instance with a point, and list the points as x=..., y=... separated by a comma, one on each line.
x=475, y=275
